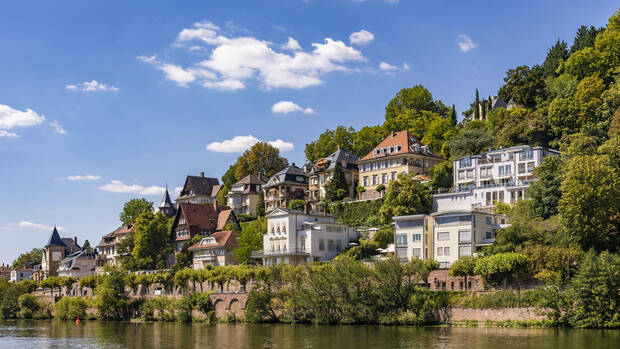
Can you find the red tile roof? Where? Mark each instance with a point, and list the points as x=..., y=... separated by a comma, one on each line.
x=222, y=239
x=205, y=217
x=406, y=145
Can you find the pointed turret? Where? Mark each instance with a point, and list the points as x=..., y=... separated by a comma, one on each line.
x=55, y=239
x=166, y=207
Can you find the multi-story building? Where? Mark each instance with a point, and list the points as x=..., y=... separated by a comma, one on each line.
x=107, y=247
x=501, y=175
x=298, y=237
x=243, y=196
x=398, y=153
x=21, y=274
x=215, y=249
x=199, y=190
x=322, y=173
x=55, y=251
x=5, y=271
x=289, y=184
x=445, y=236
x=78, y=264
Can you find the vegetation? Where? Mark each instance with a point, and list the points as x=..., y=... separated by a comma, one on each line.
x=250, y=238
x=133, y=208
x=28, y=259
x=260, y=158
x=337, y=188
x=405, y=196
x=150, y=242
x=17, y=303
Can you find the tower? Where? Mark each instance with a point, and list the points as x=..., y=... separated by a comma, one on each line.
x=166, y=207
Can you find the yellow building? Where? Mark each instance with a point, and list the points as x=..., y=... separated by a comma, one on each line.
x=398, y=153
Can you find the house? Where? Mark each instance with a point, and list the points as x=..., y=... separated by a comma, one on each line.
x=166, y=207
x=199, y=190
x=78, y=264
x=243, y=196
x=107, y=247
x=512, y=104
x=398, y=153
x=501, y=175
x=5, y=272
x=21, y=274
x=445, y=236
x=497, y=102
x=298, y=237
x=289, y=184
x=55, y=251
x=215, y=249
x=322, y=172
x=199, y=219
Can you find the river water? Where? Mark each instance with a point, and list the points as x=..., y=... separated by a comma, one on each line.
x=99, y=334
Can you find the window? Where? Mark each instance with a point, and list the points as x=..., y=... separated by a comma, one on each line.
x=452, y=219
x=526, y=154
x=464, y=236
x=521, y=168
x=401, y=253
x=464, y=251
x=393, y=163
x=393, y=175
x=417, y=252
x=530, y=167
x=470, y=174
x=331, y=245
x=505, y=170
x=446, y=251
x=488, y=235
x=486, y=172
x=440, y=251
x=461, y=175
x=375, y=180
x=465, y=162
x=417, y=237
x=488, y=220
x=443, y=236
x=384, y=178
x=411, y=223
x=338, y=245
x=321, y=244
x=401, y=240
x=365, y=181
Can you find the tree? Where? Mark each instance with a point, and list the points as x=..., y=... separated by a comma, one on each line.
x=470, y=142
x=28, y=259
x=452, y=117
x=523, y=84
x=250, y=238
x=86, y=245
x=151, y=240
x=614, y=126
x=441, y=175
x=477, y=106
x=545, y=192
x=416, y=98
x=230, y=177
x=337, y=182
x=463, y=267
x=260, y=158
x=584, y=38
x=438, y=133
x=405, y=196
x=221, y=195
x=556, y=54
x=260, y=204
x=134, y=208
x=367, y=138
x=501, y=267
x=329, y=141
x=297, y=204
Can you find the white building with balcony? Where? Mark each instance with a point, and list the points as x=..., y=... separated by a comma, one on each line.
x=501, y=175
x=298, y=237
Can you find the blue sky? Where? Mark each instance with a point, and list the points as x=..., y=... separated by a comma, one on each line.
x=102, y=101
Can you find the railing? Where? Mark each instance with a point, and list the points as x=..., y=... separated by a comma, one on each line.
x=486, y=186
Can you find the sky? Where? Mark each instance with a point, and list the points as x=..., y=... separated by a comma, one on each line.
x=104, y=101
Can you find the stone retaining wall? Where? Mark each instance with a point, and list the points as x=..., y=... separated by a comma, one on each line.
x=502, y=314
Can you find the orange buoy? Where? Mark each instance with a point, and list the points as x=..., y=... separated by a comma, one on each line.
x=77, y=321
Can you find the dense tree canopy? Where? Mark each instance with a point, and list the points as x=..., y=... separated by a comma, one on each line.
x=405, y=196
x=151, y=241
x=260, y=158
x=133, y=209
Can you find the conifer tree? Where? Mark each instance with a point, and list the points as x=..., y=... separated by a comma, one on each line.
x=337, y=182
x=477, y=106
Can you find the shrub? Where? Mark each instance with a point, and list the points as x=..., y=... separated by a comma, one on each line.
x=28, y=306
x=69, y=308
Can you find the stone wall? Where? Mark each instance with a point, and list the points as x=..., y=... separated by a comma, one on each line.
x=441, y=280
x=503, y=314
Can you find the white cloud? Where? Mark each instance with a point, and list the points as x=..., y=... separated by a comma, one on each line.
x=285, y=107
x=57, y=128
x=235, y=61
x=31, y=225
x=465, y=43
x=239, y=144
x=387, y=67
x=361, y=37
x=405, y=66
x=177, y=191
x=87, y=177
x=117, y=186
x=90, y=86
x=11, y=118
x=292, y=45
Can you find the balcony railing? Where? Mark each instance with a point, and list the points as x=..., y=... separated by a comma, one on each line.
x=486, y=186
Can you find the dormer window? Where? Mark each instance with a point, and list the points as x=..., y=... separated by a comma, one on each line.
x=207, y=241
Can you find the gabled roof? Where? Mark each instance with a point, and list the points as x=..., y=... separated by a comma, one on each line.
x=398, y=143
x=217, y=240
x=290, y=173
x=55, y=239
x=329, y=162
x=122, y=230
x=200, y=185
x=497, y=102
x=253, y=179
x=205, y=217
x=248, y=184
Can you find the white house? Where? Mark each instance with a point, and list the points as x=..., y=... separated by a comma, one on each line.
x=21, y=274
x=481, y=181
x=78, y=264
x=298, y=237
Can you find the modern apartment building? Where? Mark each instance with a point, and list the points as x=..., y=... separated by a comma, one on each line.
x=501, y=175
x=322, y=173
x=398, y=153
x=243, y=195
x=298, y=237
x=289, y=184
x=444, y=236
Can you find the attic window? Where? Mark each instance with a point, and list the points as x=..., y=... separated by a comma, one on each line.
x=207, y=241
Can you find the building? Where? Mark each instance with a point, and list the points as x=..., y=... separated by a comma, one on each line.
x=199, y=219
x=166, y=207
x=107, y=247
x=78, y=264
x=55, y=251
x=398, y=153
x=445, y=236
x=21, y=274
x=321, y=174
x=289, y=184
x=5, y=271
x=199, y=190
x=243, y=195
x=215, y=249
x=298, y=237
x=501, y=175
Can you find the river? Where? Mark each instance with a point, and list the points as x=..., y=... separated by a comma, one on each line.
x=98, y=334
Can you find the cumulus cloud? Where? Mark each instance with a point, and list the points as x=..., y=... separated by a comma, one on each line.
x=57, y=128
x=116, y=186
x=87, y=177
x=39, y=226
x=465, y=43
x=405, y=66
x=285, y=107
x=11, y=118
x=177, y=191
x=387, y=67
x=361, y=37
x=239, y=144
x=236, y=61
x=90, y=86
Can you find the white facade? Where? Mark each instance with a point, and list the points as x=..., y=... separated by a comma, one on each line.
x=79, y=264
x=413, y=237
x=501, y=175
x=20, y=274
x=296, y=237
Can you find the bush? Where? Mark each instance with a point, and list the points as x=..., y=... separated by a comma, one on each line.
x=356, y=213
x=69, y=308
x=501, y=299
x=297, y=204
x=28, y=306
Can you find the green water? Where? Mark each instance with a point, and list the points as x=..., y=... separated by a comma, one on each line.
x=96, y=334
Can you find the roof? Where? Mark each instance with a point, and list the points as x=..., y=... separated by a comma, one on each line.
x=248, y=184
x=203, y=186
x=508, y=149
x=204, y=216
x=219, y=239
x=497, y=102
x=284, y=211
x=166, y=202
x=329, y=162
x=398, y=143
x=55, y=239
x=253, y=179
x=290, y=173
x=122, y=230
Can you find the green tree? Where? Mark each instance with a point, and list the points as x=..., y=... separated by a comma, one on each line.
x=452, y=117
x=502, y=267
x=441, y=175
x=260, y=158
x=405, y=196
x=463, y=267
x=438, y=133
x=556, y=54
x=476, y=106
x=230, y=177
x=134, y=208
x=260, y=204
x=297, y=204
x=523, y=84
x=416, y=98
x=366, y=139
x=470, y=142
x=329, y=141
x=151, y=240
x=584, y=38
x=545, y=192
x=86, y=245
x=28, y=259
x=221, y=196
x=337, y=182
x=250, y=238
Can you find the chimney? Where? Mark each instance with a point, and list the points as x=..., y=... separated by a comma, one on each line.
x=338, y=146
x=202, y=174
x=293, y=165
x=306, y=209
x=392, y=134
x=75, y=240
